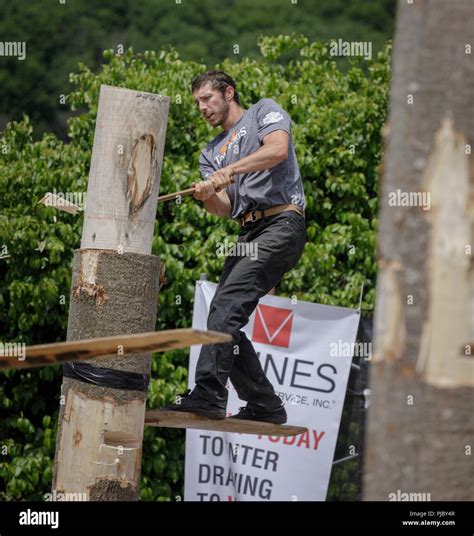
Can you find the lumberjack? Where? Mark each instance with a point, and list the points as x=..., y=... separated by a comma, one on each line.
x=251, y=175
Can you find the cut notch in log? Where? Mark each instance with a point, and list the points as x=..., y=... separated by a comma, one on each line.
x=141, y=172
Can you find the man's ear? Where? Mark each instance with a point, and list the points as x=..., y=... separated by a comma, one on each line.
x=229, y=93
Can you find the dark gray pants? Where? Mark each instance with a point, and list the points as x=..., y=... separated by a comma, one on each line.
x=243, y=282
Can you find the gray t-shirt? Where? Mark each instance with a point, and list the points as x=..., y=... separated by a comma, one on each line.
x=260, y=189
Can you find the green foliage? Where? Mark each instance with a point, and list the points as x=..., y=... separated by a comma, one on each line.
x=59, y=35
x=337, y=121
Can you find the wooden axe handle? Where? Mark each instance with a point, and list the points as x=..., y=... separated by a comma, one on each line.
x=182, y=193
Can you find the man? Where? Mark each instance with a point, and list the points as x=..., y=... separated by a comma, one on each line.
x=251, y=174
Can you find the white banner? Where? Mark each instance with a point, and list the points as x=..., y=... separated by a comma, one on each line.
x=306, y=352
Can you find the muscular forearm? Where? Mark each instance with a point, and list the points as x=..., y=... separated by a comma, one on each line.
x=212, y=191
x=266, y=157
x=218, y=204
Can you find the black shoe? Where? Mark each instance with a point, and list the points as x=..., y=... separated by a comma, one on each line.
x=277, y=416
x=193, y=404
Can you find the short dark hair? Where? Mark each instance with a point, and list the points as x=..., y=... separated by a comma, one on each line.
x=218, y=79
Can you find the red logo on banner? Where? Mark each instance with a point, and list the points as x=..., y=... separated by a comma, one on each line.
x=272, y=325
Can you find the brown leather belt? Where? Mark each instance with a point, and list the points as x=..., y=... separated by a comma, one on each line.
x=258, y=214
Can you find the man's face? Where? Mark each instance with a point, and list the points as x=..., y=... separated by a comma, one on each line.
x=212, y=104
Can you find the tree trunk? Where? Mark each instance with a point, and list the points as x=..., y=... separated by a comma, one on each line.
x=420, y=420
x=114, y=291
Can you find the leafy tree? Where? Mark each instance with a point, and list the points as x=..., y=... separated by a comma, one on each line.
x=337, y=121
x=59, y=35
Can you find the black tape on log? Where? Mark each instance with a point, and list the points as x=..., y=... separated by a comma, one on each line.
x=106, y=377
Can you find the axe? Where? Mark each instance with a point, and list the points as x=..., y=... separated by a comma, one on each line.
x=182, y=193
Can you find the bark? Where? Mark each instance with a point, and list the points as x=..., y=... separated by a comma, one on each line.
x=420, y=420
x=114, y=291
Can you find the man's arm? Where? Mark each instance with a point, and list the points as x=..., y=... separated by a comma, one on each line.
x=218, y=204
x=273, y=151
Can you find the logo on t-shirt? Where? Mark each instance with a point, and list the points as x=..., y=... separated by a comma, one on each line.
x=272, y=117
x=233, y=140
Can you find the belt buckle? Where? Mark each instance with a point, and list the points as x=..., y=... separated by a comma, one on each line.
x=253, y=216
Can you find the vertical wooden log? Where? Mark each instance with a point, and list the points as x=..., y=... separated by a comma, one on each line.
x=419, y=438
x=114, y=291
x=125, y=170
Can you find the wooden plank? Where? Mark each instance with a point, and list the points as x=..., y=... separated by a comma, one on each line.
x=80, y=350
x=182, y=419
